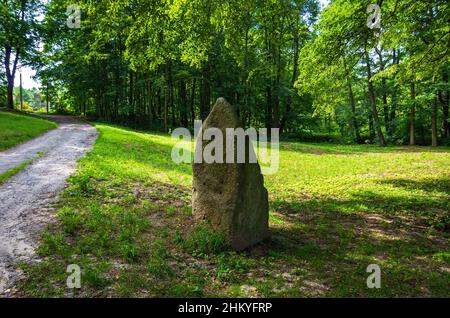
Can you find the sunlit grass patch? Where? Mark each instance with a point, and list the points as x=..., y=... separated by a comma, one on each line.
x=126, y=220
x=17, y=128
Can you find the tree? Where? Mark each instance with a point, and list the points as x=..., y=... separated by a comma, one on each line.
x=160, y=64
x=18, y=37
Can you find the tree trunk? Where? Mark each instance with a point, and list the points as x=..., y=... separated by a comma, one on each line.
x=10, y=91
x=391, y=131
x=287, y=113
x=383, y=87
x=21, y=93
x=205, y=91
x=412, y=115
x=433, y=122
x=385, y=108
x=184, y=107
x=171, y=94
x=371, y=128
x=10, y=75
x=351, y=96
x=194, y=83
x=372, y=101
x=48, y=97
x=445, y=107
x=269, y=81
x=276, y=93
x=130, y=89
x=445, y=119
x=269, y=108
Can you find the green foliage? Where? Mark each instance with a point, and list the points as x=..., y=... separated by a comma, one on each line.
x=286, y=64
x=402, y=53
x=161, y=64
x=18, y=40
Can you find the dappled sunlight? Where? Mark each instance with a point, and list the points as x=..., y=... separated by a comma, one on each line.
x=330, y=216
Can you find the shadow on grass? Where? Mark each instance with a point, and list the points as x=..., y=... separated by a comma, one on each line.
x=334, y=240
x=427, y=185
x=336, y=248
x=329, y=149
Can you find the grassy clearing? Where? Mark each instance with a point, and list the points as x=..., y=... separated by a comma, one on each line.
x=17, y=128
x=126, y=220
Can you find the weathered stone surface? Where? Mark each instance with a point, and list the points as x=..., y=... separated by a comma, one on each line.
x=230, y=197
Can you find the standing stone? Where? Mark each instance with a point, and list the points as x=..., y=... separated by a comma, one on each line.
x=230, y=197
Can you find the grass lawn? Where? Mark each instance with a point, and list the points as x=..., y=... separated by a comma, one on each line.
x=16, y=128
x=126, y=220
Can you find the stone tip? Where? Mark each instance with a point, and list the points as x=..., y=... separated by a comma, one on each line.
x=222, y=115
x=222, y=101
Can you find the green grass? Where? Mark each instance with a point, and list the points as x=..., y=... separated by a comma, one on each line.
x=126, y=220
x=11, y=172
x=17, y=128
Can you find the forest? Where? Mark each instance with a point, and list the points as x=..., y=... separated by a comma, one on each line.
x=315, y=74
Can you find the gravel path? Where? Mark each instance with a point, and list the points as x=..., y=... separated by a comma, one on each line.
x=25, y=199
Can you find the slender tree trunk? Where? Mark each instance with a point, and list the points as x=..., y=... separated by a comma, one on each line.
x=10, y=92
x=287, y=113
x=130, y=89
x=194, y=82
x=392, y=116
x=444, y=99
x=10, y=74
x=412, y=115
x=166, y=103
x=351, y=96
x=184, y=107
x=171, y=94
x=276, y=93
x=373, y=104
x=159, y=101
x=371, y=128
x=386, y=108
x=384, y=89
x=21, y=92
x=246, y=73
x=269, y=93
x=433, y=121
x=205, y=91
x=445, y=119
x=48, y=97
x=269, y=107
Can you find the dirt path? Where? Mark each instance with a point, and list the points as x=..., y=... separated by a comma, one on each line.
x=25, y=199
